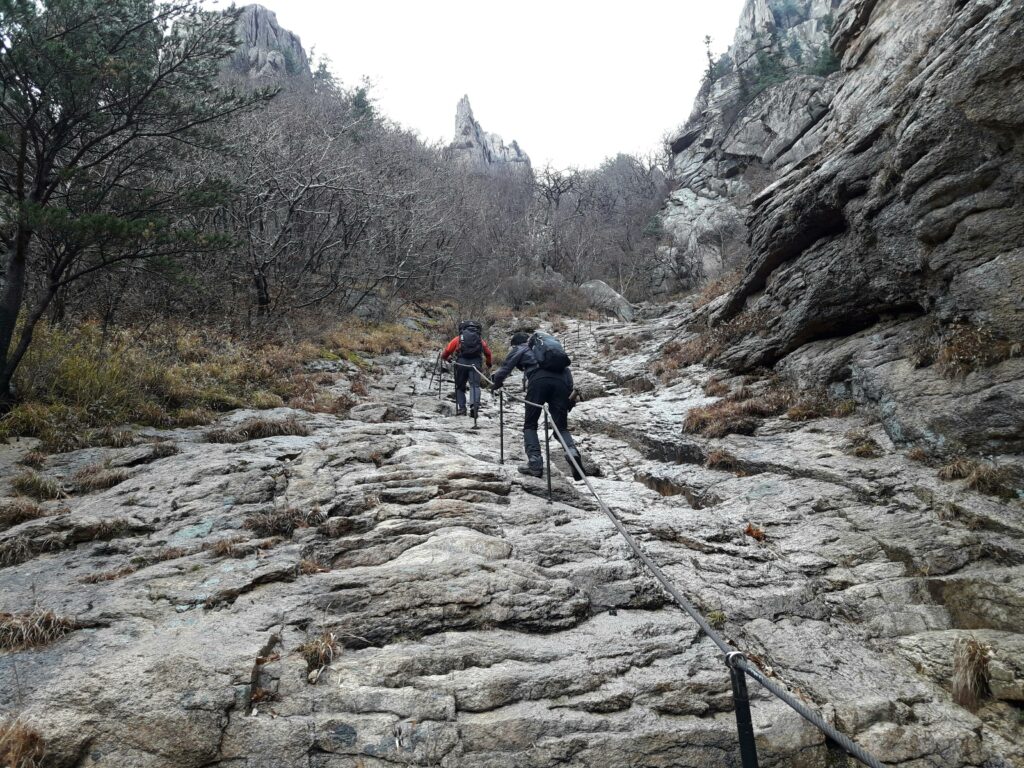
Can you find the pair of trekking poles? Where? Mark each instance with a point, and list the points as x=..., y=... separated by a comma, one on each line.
x=549, y=425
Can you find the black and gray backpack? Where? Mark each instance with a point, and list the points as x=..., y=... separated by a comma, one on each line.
x=549, y=352
x=471, y=342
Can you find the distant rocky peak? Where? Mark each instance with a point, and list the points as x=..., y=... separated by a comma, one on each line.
x=266, y=51
x=475, y=146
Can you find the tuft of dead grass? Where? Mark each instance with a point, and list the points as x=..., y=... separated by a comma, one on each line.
x=33, y=459
x=229, y=547
x=256, y=429
x=163, y=449
x=282, y=522
x=965, y=348
x=98, y=477
x=37, y=485
x=111, y=575
x=861, y=444
x=33, y=629
x=320, y=651
x=970, y=671
x=715, y=387
x=18, y=510
x=722, y=460
x=21, y=746
x=1002, y=481
x=307, y=567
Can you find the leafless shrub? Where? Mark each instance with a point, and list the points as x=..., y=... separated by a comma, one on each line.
x=717, y=287
x=970, y=671
x=32, y=629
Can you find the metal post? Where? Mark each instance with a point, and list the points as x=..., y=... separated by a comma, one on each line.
x=501, y=426
x=547, y=450
x=741, y=700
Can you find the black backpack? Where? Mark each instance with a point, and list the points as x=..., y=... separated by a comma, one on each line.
x=471, y=343
x=548, y=352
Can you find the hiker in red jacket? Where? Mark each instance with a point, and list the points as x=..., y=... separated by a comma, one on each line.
x=469, y=349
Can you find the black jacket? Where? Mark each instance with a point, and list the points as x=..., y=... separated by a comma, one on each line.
x=521, y=357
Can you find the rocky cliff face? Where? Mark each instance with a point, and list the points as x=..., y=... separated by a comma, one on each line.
x=380, y=591
x=877, y=212
x=482, y=150
x=266, y=51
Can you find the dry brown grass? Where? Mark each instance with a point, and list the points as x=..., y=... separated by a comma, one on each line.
x=715, y=387
x=111, y=575
x=16, y=549
x=21, y=746
x=163, y=449
x=861, y=444
x=18, y=510
x=282, y=522
x=33, y=459
x=98, y=477
x=169, y=553
x=710, y=343
x=722, y=460
x=1001, y=481
x=320, y=651
x=717, y=287
x=356, y=336
x=229, y=547
x=739, y=414
x=757, y=534
x=257, y=428
x=919, y=455
x=36, y=485
x=307, y=567
x=32, y=629
x=965, y=348
x=970, y=671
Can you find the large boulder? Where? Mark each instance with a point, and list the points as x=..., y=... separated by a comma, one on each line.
x=602, y=296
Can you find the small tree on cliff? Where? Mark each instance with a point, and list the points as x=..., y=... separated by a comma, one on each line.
x=99, y=100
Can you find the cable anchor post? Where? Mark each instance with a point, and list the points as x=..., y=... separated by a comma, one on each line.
x=501, y=426
x=736, y=661
x=547, y=451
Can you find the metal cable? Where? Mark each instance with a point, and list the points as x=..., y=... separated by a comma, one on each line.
x=739, y=660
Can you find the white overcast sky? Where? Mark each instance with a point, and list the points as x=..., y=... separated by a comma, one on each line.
x=573, y=82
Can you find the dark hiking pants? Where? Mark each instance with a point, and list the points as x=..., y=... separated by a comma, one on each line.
x=467, y=376
x=552, y=389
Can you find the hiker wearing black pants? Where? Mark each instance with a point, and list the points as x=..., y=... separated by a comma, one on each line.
x=553, y=388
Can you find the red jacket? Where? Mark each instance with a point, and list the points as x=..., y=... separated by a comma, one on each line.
x=453, y=347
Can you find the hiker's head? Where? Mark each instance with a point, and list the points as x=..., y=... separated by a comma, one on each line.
x=519, y=337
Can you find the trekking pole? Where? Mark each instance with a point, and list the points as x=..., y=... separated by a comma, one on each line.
x=501, y=426
x=547, y=449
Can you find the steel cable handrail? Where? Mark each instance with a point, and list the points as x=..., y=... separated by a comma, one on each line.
x=734, y=658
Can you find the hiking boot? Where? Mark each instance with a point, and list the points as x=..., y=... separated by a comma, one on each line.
x=575, y=454
x=533, y=470
x=474, y=410
x=460, y=411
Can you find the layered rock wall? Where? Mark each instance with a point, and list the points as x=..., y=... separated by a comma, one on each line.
x=877, y=213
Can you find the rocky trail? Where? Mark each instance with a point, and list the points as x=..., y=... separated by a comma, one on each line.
x=378, y=590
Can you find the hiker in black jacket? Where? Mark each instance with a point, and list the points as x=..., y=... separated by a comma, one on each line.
x=543, y=386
